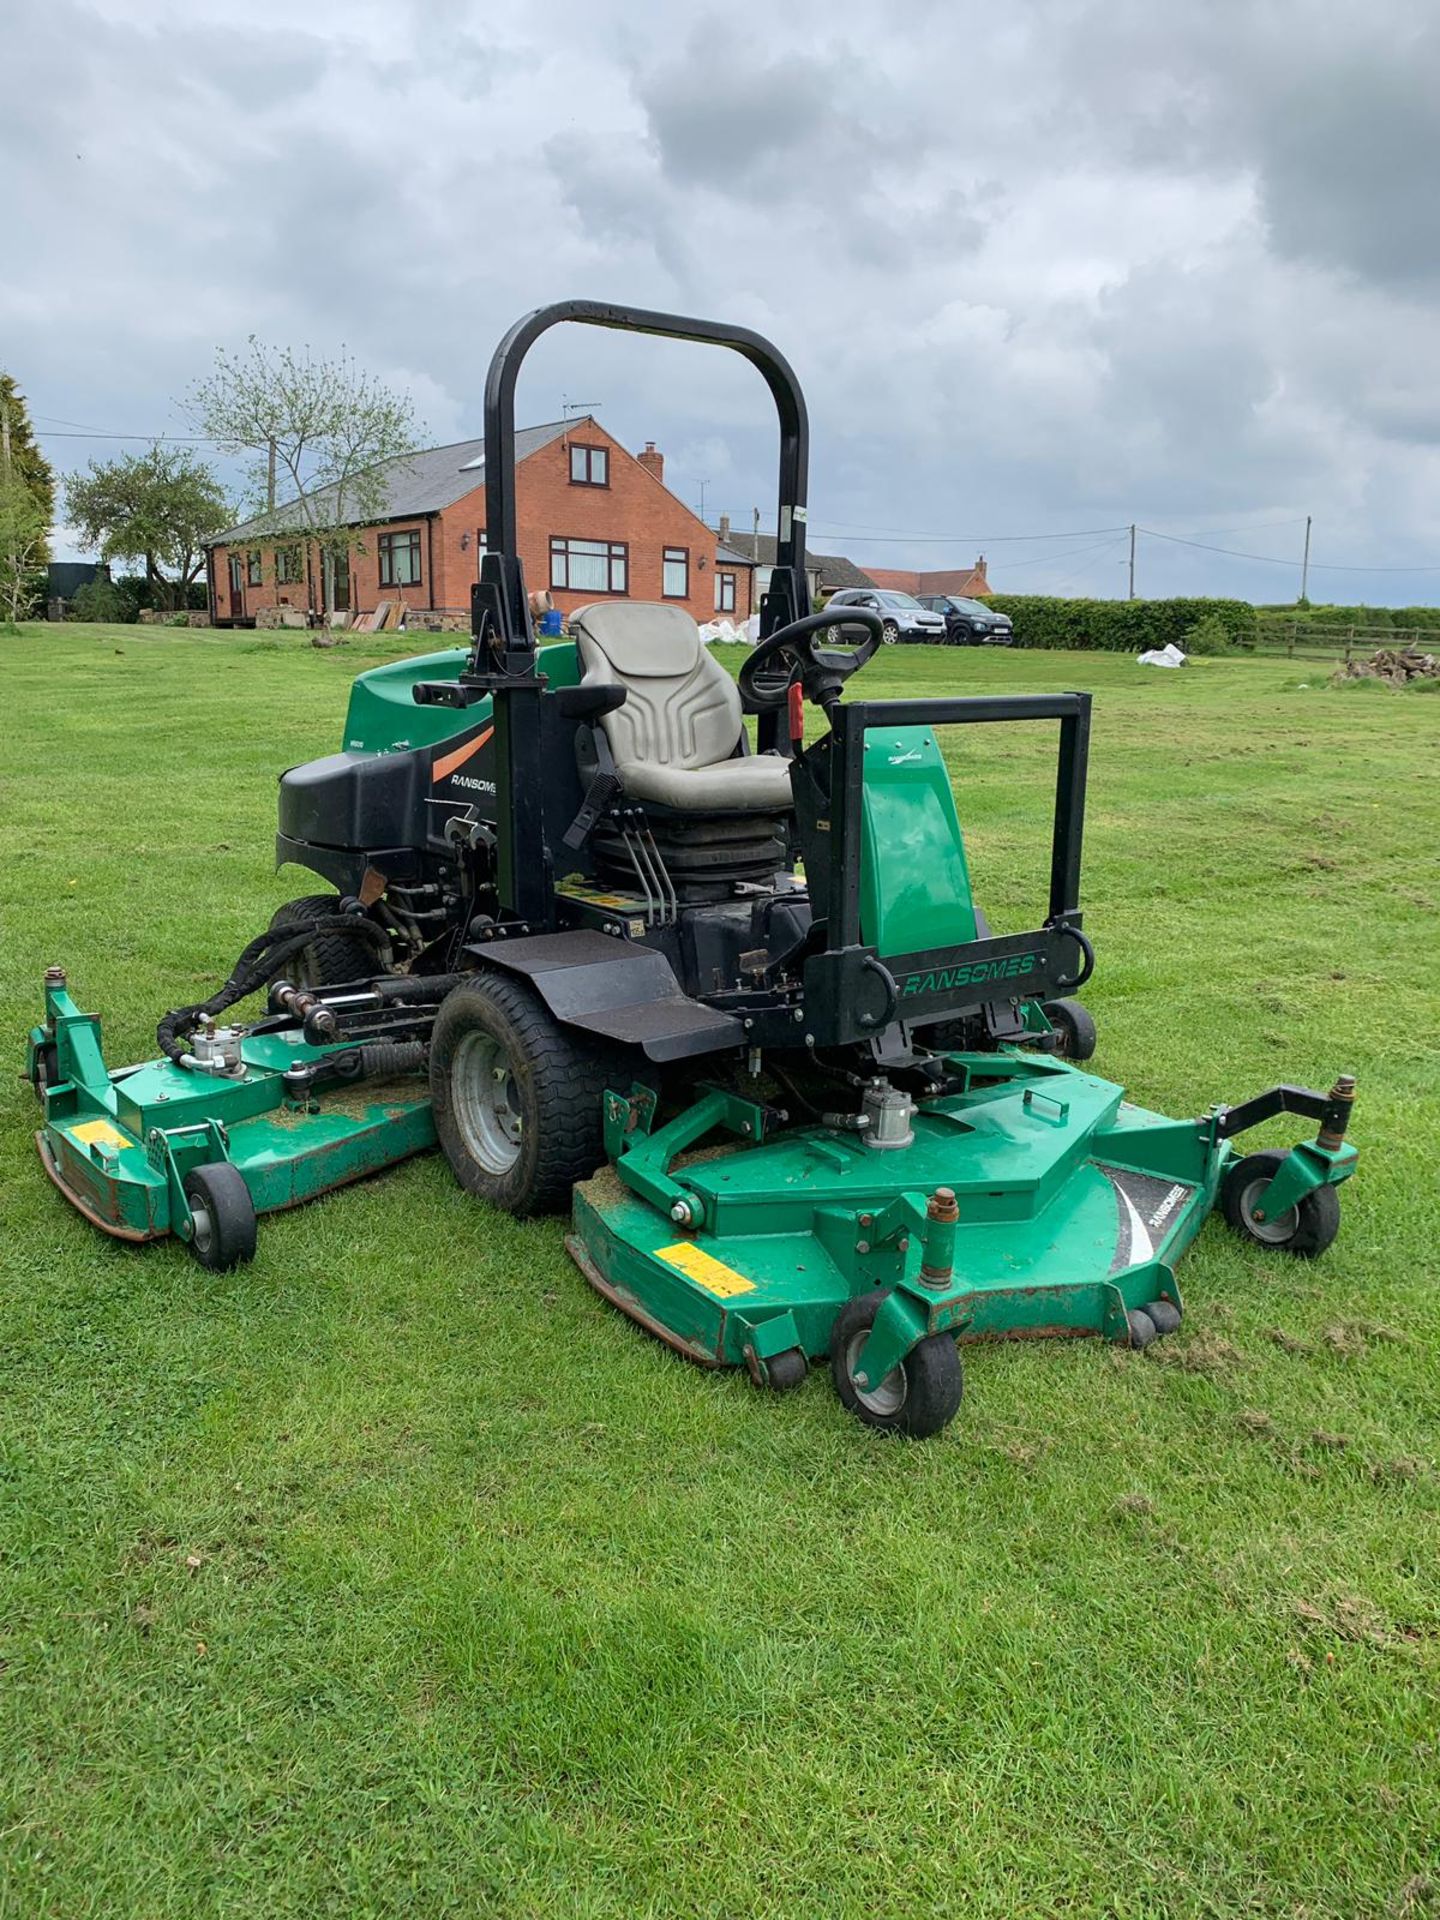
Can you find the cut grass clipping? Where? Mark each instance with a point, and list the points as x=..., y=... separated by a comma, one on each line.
x=397, y=1574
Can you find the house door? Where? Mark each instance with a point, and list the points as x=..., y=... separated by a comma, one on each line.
x=237, y=588
x=340, y=582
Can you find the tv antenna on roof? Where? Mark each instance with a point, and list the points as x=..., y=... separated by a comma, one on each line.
x=567, y=407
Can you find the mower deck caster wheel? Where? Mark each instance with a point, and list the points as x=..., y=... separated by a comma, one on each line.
x=918, y=1397
x=1165, y=1315
x=786, y=1370
x=222, y=1216
x=47, y=1070
x=1142, y=1328
x=1074, y=1027
x=1305, y=1229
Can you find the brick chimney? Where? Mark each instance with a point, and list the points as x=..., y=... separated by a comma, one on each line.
x=652, y=461
x=724, y=529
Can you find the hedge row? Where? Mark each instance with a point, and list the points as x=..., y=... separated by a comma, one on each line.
x=1363, y=619
x=1118, y=626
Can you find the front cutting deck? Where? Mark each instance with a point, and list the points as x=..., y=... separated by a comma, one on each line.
x=118, y=1145
x=1074, y=1206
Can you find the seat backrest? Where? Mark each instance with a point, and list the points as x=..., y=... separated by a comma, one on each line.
x=681, y=707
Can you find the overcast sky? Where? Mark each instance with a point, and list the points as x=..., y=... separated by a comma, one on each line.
x=1046, y=267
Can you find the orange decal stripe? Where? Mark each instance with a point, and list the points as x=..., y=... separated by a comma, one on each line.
x=443, y=768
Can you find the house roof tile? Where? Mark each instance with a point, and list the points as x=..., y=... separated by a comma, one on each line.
x=415, y=484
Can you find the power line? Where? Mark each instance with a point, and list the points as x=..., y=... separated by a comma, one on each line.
x=1110, y=546
x=991, y=539
x=1280, y=560
x=1058, y=559
x=190, y=439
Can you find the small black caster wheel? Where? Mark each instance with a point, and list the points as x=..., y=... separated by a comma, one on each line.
x=1074, y=1028
x=1142, y=1328
x=918, y=1397
x=786, y=1370
x=1165, y=1315
x=47, y=1070
x=222, y=1215
x=1305, y=1229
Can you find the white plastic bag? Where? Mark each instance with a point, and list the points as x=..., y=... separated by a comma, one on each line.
x=1166, y=656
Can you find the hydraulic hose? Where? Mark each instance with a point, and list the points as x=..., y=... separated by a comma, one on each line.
x=261, y=961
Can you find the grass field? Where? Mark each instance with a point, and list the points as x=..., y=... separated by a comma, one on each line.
x=396, y=1574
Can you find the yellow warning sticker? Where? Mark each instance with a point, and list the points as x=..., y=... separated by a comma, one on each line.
x=724, y=1282
x=99, y=1133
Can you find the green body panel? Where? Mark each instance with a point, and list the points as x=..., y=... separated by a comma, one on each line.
x=383, y=718
x=1074, y=1206
x=119, y=1145
x=914, y=881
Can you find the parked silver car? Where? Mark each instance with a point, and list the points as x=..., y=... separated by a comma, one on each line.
x=902, y=616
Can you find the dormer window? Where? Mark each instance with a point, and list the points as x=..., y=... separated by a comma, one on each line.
x=589, y=466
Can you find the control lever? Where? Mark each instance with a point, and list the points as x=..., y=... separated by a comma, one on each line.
x=601, y=793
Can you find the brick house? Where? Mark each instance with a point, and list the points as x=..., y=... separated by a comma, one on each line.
x=826, y=572
x=966, y=583
x=593, y=519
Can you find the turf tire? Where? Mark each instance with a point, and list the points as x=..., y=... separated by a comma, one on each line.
x=1310, y=1226
x=332, y=960
x=224, y=1234
x=934, y=1382
x=558, y=1079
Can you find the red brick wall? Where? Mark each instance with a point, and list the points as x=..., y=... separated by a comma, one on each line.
x=635, y=508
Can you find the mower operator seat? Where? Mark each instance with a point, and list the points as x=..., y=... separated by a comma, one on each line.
x=674, y=737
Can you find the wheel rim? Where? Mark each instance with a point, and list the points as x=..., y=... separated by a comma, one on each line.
x=1273, y=1232
x=202, y=1229
x=889, y=634
x=887, y=1396
x=485, y=1102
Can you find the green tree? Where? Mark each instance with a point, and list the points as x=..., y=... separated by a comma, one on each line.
x=323, y=430
x=157, y=508
x=24, y=524
x=21, y=460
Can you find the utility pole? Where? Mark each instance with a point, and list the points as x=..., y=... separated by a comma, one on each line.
x=1132, y=559
x=1305, y=565
x=703, y=485
x=270, y=479
x=755, y=534
x=5, y=438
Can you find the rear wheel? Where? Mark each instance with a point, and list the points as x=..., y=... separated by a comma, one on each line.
x=222, y=1216
x=517, y=1098
x=919, y=1396
x=1075, y=1026
x=889, y=633
x=1305, y=1229
x=331, y=959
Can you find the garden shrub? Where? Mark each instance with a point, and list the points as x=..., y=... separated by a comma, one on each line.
x=1209, y=635
x=103, y=601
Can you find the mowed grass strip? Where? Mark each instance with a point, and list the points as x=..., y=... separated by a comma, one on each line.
x=396, y=1574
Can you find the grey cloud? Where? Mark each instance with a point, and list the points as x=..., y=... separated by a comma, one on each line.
x=1081, y=262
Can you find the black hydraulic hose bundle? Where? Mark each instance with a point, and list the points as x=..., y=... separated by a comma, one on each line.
x=261, y=962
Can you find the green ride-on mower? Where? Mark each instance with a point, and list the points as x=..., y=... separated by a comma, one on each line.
x=737, y=1008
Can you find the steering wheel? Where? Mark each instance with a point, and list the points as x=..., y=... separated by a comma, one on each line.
x=793, y=650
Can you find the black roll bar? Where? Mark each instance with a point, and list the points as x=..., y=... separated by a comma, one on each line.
x=500, y=519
